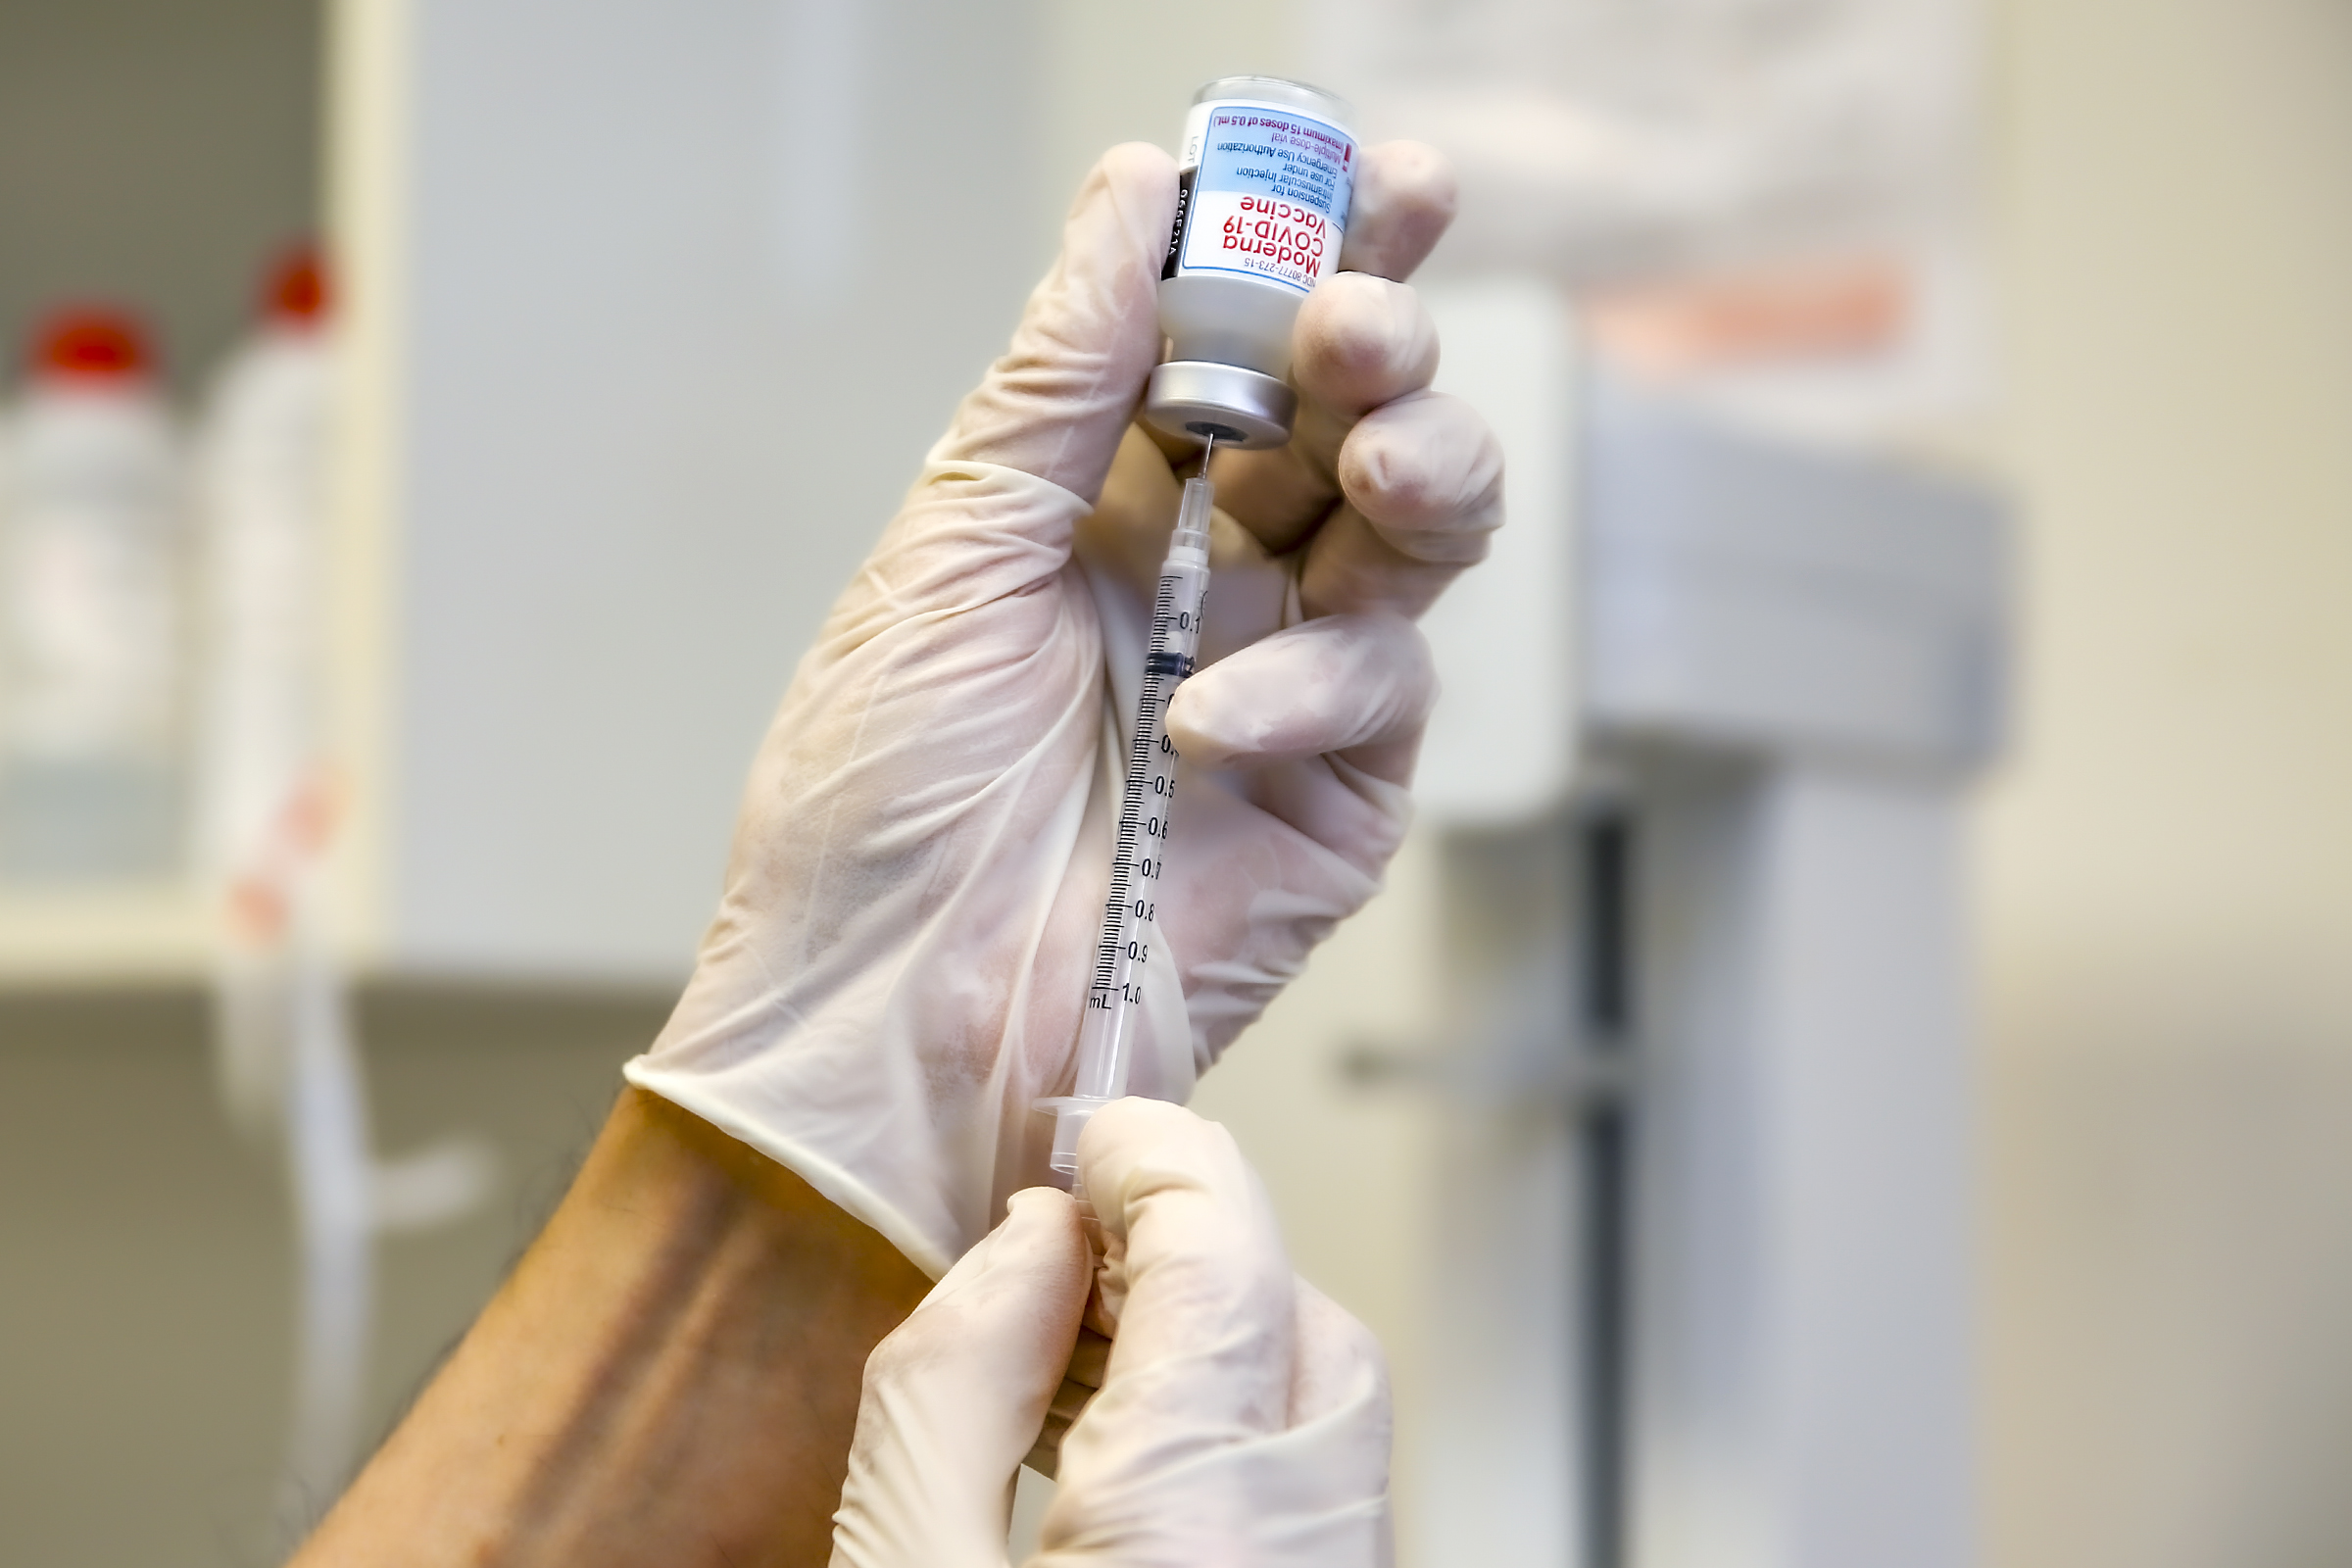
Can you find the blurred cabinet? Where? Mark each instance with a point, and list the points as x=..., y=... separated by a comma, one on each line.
x=156, y=156
x=646, y=327
x=652, y=329
x=1704, y=1278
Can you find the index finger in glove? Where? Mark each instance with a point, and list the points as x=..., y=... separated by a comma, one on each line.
x=1361, y=686
x=1401, y=206
x=1056, y=402
x=1196, y=1272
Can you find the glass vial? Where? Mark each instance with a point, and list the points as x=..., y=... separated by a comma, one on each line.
x=1264, y=177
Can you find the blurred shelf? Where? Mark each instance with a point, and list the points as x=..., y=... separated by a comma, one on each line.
x=126, y=932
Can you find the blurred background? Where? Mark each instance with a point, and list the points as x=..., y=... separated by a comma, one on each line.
x=1856, y=1065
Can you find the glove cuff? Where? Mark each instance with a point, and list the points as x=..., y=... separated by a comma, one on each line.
x=694, y=1095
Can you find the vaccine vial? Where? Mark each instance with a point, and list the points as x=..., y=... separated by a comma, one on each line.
x=1264, y=177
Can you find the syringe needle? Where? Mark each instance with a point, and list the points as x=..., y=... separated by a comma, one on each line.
x=1200, y=500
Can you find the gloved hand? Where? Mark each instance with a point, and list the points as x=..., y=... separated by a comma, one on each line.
x=1244, y=1418
x=899, y=964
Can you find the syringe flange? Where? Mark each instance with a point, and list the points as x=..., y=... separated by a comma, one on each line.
x=1071, y=1114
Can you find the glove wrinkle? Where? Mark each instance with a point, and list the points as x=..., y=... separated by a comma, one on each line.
x=879, y=929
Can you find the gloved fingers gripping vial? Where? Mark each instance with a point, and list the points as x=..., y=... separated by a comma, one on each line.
x=1264, y=182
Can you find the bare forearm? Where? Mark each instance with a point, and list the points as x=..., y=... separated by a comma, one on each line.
x=670, y=1377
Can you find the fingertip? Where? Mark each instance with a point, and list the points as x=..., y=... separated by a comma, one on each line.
x=1035, y=1197
x=1140, y=179
x=1428, y=471
x=1035, y=1219
x=1139, y=160
x=1035, y=1205
x=1341, y=1371
x=1057, y=402
x=1208, y=731
x=1338, y=1334
x=1329, y=685
x=1043, y=1223
x=1036, y=1212
x=1135, y=1147
x=1131, y=194
x=1136, y=1120
x=1406, y=198
x=1361, y=341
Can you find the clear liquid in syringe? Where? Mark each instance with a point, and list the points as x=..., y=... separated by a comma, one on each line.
x=1140, y=855
x=1145, y=807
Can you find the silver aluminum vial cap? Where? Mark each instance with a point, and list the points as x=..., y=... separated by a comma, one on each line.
x=1200, y=397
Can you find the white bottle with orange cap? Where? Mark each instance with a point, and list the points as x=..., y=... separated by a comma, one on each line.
x=266, y=792
x=92, y=613
x=260, y=486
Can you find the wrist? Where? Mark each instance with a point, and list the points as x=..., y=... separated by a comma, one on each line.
x=670, y=1374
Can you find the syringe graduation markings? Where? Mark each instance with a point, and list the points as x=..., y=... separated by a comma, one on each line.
x=1163, y=671
x=1145, y=798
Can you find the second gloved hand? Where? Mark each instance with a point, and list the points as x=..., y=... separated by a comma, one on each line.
x=1242, y=1417
x=899, y=960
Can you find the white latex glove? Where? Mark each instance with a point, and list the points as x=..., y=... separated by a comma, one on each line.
x=899, y=964
x=1244, y=1418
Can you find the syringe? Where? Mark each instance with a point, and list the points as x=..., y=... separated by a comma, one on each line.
x=1140, y=854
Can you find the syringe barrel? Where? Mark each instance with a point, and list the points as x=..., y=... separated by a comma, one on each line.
x=1102, y=1045
x=1130, y=931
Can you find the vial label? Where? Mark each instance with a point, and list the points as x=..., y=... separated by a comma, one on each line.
x=1262, y=191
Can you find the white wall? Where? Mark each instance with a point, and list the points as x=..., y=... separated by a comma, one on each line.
x=679, y=296
x=2167, y=865
x=156, y=155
